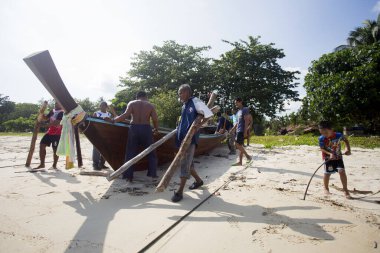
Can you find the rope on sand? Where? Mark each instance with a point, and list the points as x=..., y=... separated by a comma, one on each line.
x=155, y=240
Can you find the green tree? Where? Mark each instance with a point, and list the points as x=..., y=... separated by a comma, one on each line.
x=24, y=110
x=6, y=108
x=344, y=86
x=251, y=71
x=122, y=98
x=168, y=108
x=88, y=106
x=365, y=35
x=166, y=67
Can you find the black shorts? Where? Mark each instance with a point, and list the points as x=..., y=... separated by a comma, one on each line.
x=334, y=166
x=240, y=138
x=50, y=139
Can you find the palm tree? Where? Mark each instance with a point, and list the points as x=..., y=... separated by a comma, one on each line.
x=366, y=34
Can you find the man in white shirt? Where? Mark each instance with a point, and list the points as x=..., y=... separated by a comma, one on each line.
x=98, y=161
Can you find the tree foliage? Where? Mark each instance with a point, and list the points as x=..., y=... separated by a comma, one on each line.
x=6, y=108
x=168, y=108
x=166, y=67
x=344, y=86
x=367, y=34
x=251, y=71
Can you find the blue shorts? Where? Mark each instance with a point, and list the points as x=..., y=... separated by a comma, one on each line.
x=187, y=162
x=240, y=138
x=334, y=166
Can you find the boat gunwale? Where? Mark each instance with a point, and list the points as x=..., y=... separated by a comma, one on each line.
x=160, y=130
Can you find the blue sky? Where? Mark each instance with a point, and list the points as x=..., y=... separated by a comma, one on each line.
x=92, y=41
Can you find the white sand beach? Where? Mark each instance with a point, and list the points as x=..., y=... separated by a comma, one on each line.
x=261, y=210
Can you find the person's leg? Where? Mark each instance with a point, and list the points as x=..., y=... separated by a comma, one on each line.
x=194, y=174
x=42, y=156
x=343, y=178
x=95, y=158
x=182, y=185
x=232, y=140
x=185, y=164
x=45, y=141
x=326, y=179
x=132, y=145
x=249, y=134
x=146, y=141
x=55, y=142
x=102, y=162
x=55, y=158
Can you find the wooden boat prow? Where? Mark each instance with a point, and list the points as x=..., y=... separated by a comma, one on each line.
x=110, y=139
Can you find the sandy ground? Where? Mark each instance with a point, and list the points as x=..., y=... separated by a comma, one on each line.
x=259, y=211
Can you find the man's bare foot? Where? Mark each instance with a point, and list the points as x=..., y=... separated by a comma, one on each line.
x=41, y=166
x=249, y=158
x=327, y=192
x=237, y=164
x=347, y=195
x=54, y=167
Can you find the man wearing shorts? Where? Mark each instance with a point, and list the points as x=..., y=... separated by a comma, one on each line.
x=190, y=110
x=52, y=136
x=329, y=143
x=241, y=128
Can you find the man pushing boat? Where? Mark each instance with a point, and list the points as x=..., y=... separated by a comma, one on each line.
x=140, y=133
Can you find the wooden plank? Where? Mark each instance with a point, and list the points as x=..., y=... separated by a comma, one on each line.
x=140, y=156
x=199, y=120
x=97, y=173
x=35, y=133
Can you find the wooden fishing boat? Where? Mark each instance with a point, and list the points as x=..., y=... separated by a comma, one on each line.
x=110, y=139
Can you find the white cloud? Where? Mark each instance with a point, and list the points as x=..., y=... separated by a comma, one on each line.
x=376, y=8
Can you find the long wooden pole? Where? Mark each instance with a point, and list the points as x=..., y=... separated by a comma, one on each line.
x=140, y=156
x=184, y=146
x=77, y=143
x=35, y=133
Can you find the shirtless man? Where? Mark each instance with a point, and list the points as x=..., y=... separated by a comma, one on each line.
x=140, y=133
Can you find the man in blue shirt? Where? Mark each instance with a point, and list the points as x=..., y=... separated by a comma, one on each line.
x=241, y=128
x=190, y=110
x=224, y=125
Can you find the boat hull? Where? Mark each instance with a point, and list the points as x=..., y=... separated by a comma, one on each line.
x=111, y=141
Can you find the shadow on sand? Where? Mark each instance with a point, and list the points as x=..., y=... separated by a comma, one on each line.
x=99, y=213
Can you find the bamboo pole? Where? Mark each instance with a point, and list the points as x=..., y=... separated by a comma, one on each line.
x=35, y=133
x=140, y=156
x=199, y=120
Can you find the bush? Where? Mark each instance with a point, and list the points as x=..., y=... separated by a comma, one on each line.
x=168, y=108
x=20, y=124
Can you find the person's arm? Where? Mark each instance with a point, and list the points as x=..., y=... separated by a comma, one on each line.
x=125, y=115
x=348, y=146
x=57, y=121
x=246, y=122
x=218, y=126
x=324, y=150
x=154, y=117
x=327, y=152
